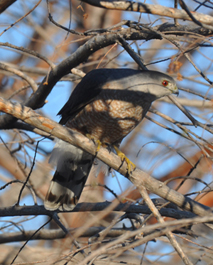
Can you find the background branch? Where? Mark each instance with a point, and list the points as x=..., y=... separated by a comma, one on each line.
x=150, y=9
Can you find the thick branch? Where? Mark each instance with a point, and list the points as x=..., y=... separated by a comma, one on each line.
x=47, y=234
x=114, y=232
x=92, y=207
x=139, y=178
x=151, y=9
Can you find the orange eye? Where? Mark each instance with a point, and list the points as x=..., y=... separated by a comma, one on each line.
x=165, y=83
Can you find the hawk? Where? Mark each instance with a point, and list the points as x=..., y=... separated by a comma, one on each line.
x=106, y=105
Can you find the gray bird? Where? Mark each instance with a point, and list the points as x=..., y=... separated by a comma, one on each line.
x=106, y=105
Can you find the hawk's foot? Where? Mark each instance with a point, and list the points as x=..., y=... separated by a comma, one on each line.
x=130, y=165
x=97, y=142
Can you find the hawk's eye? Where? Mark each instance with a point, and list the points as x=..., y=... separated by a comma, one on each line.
x=165, y=83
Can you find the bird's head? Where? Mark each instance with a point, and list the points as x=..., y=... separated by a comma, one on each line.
x=157, y=84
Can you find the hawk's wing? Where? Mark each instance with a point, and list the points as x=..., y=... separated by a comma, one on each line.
x=83, y=94
x=89, y=88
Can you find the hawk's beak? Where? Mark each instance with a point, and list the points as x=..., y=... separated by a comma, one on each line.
x=176, y=91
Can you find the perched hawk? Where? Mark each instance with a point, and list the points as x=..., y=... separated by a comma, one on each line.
x=106, y=105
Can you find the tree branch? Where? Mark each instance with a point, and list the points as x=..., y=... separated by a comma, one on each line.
x=50, y=234
x=93, y=207
x=151, y=9
x=139, y=178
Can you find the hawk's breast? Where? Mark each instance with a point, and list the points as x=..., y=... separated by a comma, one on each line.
x=108, y=120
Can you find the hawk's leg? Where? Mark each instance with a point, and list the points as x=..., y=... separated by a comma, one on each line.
x=97, y=142
x=130, y=165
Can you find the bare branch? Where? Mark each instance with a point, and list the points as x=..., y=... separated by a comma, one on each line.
x=93, y=207
x=21, y=17
x=139, y=178
x=29, y=52
x=151, y=9
x=29, y=80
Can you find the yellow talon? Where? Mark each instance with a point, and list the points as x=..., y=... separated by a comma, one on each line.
x=130, y=165
x=97, y=142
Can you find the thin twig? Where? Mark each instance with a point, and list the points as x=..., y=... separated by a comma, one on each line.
x=31, y=10
x=60, y=26
x=132, y=53
x=29, y=52
x=31, y=237
x=31, y=170
x=22, y=182
x=169, y=234
x=29, y=80
x=184, y=110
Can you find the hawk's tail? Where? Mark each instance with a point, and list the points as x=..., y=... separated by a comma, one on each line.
x=63, y=193
x=73, y=167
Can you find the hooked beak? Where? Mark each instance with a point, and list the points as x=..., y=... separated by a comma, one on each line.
x=176, y=91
